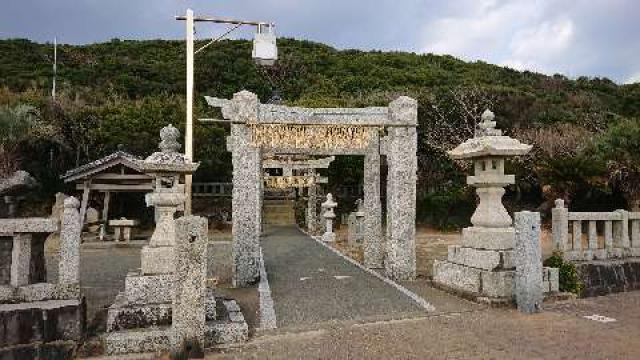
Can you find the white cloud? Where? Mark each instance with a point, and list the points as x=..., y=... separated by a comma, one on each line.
x=521, y=34
x=635, y=78
x=541, y=47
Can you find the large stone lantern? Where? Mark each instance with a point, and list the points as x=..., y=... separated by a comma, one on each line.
x=166, y=166
x=483, y=265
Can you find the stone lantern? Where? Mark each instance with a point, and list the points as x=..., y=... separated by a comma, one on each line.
x=483, y=265
x=329, y=215
x=166, y=167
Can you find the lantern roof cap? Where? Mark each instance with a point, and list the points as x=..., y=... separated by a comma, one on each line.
x=489, y=141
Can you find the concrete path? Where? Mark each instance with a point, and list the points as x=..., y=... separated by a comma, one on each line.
x=311, y=285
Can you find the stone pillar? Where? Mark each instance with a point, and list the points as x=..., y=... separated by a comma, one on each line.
x=70, y=238
x=621, y=231
x=373, y=245
x=401, y=147
x=528, y=261
x=560, y=226
x=188, y=307
x=157, y=257
x=247, y=191
x=312, y=211
x=21, y=259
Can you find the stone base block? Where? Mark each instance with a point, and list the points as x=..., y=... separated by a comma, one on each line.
x=137, y=341
x=148, y=289
x=124, y=317
x=41, y=322
x=481, y=259
x=230, y=328
x=489, y=238
x=157, y=260
x=457, y=276
x=498, y=284
x=474, y=282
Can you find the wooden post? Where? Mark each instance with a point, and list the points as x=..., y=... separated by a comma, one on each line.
x=105, y=208
x=86, y=189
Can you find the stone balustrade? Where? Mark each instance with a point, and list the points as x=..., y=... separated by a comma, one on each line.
x=36, y=316
x=583, y=236
x=28, y=280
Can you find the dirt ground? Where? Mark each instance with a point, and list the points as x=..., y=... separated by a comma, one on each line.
x=561, y=331
x=431, y=244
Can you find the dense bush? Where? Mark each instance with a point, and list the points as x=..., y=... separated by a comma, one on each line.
x=123, y=92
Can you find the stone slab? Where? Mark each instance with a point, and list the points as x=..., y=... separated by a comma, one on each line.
x=157, y=260
x=39, y=292
x=481, y=259
x=45, y=291
x=457, y=276
x=28, y=225
x=148, y=289
x=489, y=238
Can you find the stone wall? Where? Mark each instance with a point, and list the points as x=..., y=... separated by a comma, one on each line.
x=608, y=277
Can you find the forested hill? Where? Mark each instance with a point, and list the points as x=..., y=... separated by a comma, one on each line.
x=122, y=92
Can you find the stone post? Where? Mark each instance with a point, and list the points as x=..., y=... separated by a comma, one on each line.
x=621, y=232
x=329, y=215
x=312, y=211
x=560, y=226
x=247, y=191
x=528, y=261
x=188, y=308
x=21, y=259
x=401, y=147
x=373, y=246
x=70, y=238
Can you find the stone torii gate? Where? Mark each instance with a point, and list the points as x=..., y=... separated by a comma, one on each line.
x=265, y=128
x=289, y=164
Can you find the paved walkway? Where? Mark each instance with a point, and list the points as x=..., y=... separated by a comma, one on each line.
x=311, y=285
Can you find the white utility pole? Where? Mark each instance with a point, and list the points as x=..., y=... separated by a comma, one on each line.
x=188, y=132
x=55, y=68
x=264, y=52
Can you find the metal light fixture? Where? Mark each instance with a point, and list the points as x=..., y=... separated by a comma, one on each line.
x=265, y=50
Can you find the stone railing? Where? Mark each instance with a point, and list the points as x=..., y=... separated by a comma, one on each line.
x=620, y=232
x=28, y=280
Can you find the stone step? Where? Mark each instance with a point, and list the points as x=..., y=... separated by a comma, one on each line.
x=229, y=327
x=122, y=315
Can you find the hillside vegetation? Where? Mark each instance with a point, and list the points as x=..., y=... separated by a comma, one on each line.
x=585, y=131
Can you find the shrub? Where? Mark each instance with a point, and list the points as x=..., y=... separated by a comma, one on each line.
x=569, y=279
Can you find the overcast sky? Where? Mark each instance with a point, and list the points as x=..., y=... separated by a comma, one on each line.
x=572, y=37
